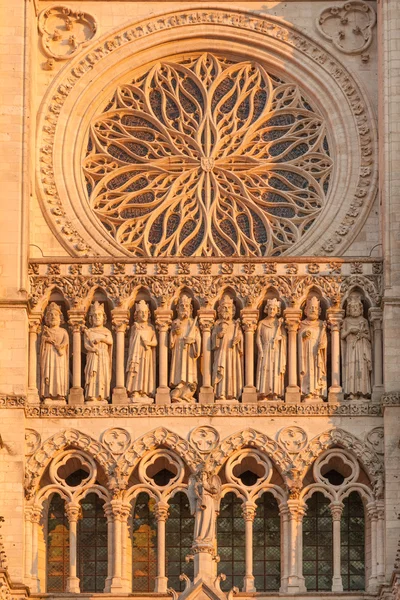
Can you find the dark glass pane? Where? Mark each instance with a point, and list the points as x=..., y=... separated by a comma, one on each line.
x=179, y=537
x=57, y=546
x=144, y=544
x=352, y=541
x=92, y=545
x=231, y=542
x=317, y=544
x=267, y=544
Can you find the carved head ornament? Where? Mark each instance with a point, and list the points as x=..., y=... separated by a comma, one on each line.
x=97, y=309
x=226, y=306
x=354, y=305
x=273, y=303
x=142, y=309
x=53, y=312
x=313, y=307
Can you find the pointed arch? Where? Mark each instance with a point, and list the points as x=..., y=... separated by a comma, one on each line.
x=254, y=439
x=53, y=446
x=343, y=439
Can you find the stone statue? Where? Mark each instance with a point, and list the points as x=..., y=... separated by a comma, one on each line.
x=204, y=492
x=272, y=344
x=54, y=356
x=141, y=365
x=185, y=343
x=98, y=345
x=356, y=350
x=227, y=344
x=312, y=344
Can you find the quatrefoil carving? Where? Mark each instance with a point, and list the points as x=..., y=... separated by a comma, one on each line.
x=348, y=27
x=65, y=31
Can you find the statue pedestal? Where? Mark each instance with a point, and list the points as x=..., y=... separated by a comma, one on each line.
x=377, y=393
x=206, y=395
x=335, y=394
x=119, y=396
x=75, y=396
x=292, y=395
x=249, y=394
x=204, y=567
x=32, y=396
x=163, y=395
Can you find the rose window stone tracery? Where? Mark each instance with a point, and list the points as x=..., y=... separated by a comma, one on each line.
x=207, y=157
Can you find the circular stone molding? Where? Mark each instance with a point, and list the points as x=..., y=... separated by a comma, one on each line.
x=84, y=88
x=80, y=461
x=344, y=461
x=204, y=438
x=293, y=439
x=248, y=460
x=116, y=440
x=158, y=460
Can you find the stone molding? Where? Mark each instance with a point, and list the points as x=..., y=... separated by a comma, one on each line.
x=353, y=118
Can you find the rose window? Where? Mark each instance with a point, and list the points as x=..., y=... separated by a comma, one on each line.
x=201, y=156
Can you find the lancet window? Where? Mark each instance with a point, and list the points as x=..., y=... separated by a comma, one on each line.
x=57, y=545
x=179, y=539
x=267, y=548
x=231, y=540
x=352, y=535
x=92, y=545
x=317, y=544
x=144, y=544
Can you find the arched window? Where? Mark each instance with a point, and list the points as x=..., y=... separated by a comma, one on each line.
x=267, y=545
x=352, y=540
x=231, y=541
x=92, y=545
x=179, y=537
x=317, y=544
x=144, y=544
x=57, y=545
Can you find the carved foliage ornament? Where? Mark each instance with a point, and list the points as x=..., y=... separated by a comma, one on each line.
x=205, y=156
x=349, y=26
x=65, y=31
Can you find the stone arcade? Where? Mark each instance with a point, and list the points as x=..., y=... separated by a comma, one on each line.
x=199, y=300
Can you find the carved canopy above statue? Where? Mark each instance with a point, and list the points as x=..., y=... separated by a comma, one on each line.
x=151, y=145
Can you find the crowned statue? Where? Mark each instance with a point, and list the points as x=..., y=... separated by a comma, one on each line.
x=141, y=365
x=204, y=491
x=312, y=344
x=272, y=344
x=185, y=345
x=98, y=344
x=227, y=344
x=356, y=349
x=54, y=356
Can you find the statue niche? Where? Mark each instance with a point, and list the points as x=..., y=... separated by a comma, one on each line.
x=356, y=350
x=141, y=365
x=227, y=344
x=54, y=356
x=272, y=345
x=98, y=344
x=185, y=344
x=312, y=345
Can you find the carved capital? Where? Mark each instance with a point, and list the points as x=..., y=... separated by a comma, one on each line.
x=35, y=322
x=336, y=510
x=76, y=320
x=36, y=514
x=206, y=318
x=292, y=319
x=249, y=511
x=73, y=512
x=161, y=510
x=163, y=319
x=372, y=511
x=249, y=319
x=335, y=318
x=297, y=509
x=376, y=317
x=120, y=320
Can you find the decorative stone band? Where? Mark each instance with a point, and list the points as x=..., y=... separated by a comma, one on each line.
x=391, y=399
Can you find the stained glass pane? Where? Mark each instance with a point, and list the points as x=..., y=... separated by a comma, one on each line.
x=267, y=544
x=352, y=541
x=179, y=536
x=144, y=544
x=92, y=545
x=231, y=542
x=57, y=546
x=317, y=544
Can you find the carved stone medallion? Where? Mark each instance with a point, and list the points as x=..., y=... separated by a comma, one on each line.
x=32, y=441
x=349, y=26
x=204, y=438
x=116, y=440
x=293, y=438
x=65, y=31
x=375, y=438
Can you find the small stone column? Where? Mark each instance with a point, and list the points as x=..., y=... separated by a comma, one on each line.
x=295, y=575
x=292, y=322
x=249, y=512
x=126, y=510
x=120, y=321
x=376, y=318
x=36, y=515
x=336, y=511
x=34, y=328
x=161, y=514
x=76, y=320
x=73, y=512
x=110, y=546
x=206, y=318
x=163, y=323
x=380, y=535
x=372, y=586
x=28, y=546
x=249, y=321
x=117, y=514
x=284, y=514
x=335, y=320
